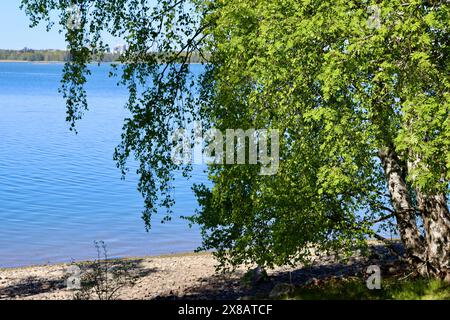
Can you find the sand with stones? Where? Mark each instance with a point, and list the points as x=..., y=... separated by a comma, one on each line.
x=187, y=276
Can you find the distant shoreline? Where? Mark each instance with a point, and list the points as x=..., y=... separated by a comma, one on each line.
x=26, y=61
x=61, y=62
x=2, y=61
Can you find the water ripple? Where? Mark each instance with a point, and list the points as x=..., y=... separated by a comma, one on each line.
x=60, y=191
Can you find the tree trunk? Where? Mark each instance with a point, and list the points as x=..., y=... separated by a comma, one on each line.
x=436, y=221
x=433, y=208
x=405, y=212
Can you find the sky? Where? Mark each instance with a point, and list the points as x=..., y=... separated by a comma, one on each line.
x=15, y=32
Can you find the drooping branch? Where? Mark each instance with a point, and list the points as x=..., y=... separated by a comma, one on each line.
x=381, y=219
x=389, y=245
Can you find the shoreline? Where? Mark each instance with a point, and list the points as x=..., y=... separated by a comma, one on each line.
x=189, y=276
x=180, y=274
x=21, y=61
x=56, y=264
x=370, y=242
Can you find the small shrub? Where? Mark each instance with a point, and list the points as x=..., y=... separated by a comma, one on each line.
x=103, y=278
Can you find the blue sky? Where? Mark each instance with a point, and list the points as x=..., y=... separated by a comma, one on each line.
x=15, y=31
x=16, y=34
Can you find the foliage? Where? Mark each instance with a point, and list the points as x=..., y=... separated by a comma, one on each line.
x=160, y=95
x=338, y=87
x=339, y=90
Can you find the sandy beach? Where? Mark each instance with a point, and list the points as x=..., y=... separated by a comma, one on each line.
x=186, y=276
x=162, y=276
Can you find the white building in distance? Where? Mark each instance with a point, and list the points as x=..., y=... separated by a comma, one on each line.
x=120, y=48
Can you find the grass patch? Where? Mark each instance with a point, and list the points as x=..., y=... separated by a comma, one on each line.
x=392, y=289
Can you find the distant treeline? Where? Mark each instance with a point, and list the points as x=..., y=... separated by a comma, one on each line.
x=63, y=56
x=46, y=55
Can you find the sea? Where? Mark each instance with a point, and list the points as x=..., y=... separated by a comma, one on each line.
x=60, y=191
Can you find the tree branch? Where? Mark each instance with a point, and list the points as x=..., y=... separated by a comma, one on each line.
x=389, y=245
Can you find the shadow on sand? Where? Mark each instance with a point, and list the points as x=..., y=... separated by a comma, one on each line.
x=223, y=287
x=33, y=285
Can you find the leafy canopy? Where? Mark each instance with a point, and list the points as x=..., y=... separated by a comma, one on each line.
x=342, y=80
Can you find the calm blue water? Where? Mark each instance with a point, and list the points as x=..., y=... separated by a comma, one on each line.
x=60, y=191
